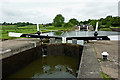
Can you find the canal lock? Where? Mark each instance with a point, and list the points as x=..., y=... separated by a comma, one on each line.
x=67, y=55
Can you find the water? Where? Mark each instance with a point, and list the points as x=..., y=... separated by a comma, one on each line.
x=82, y=33
x=49, y=67
x=112, y=35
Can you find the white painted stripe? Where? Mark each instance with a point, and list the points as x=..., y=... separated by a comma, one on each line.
x=8, y=50
x=114, y=37
x=12, y=34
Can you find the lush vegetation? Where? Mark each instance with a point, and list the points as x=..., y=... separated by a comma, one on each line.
x=105, y=24
x=5, y=29
x=58, y=21
x=108, y=22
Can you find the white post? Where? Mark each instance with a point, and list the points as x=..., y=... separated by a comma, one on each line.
x=96, y=27
x=79, y=28
x=105, y=54
x=63, y=39
x=37, y=27
x=87, y=28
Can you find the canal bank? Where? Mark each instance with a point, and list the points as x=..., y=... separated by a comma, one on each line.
x=23, y=53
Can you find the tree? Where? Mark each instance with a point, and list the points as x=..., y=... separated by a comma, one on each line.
x=68, y=24
x=100, y=24
x=74, y=21
x=48, y=24
x=4, y=23
x=93, y=23
x=108, y=24
x=115, y=21
x=58, y=21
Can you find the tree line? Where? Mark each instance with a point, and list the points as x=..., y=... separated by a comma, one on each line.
x=59, y=21
x=107, y=22
x=19, y=24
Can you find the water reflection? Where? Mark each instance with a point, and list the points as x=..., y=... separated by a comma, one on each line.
x=50, y=67
x=80, y=33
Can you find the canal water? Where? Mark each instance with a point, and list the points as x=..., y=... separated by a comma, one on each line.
x=80, y=33
x=50, y=67
x=111, y=34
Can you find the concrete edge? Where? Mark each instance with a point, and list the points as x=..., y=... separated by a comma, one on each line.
x=16, y=50
x=82, y=63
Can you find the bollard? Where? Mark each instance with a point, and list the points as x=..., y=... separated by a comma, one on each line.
x=52, y=40
x=74, y=41
x=105, y=54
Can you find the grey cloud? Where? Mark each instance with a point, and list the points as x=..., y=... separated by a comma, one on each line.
x=36, y=11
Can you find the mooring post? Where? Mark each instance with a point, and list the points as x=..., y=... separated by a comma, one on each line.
x=105, y=54
x=74, y=41
x=52, y=40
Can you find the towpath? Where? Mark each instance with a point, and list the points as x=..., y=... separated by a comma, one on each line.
x=109, y=67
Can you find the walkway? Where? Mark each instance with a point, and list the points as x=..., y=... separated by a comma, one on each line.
x=89, y=66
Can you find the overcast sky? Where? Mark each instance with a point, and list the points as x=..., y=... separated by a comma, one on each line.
x=44, y=11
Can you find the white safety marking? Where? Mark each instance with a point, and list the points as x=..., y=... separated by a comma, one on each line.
x=114, y=37
x=12, y=34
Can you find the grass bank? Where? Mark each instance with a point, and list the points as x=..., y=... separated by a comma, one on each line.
x=5, y=29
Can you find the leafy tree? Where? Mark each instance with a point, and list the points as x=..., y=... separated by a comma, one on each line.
x=84, y=22
x=100, y=24
x=19, y=24
x=58, y=21
x=115, y=21
x=108, y=25
x=74, y=21
x=48, y=24
x=93, y=23
x=68, y=24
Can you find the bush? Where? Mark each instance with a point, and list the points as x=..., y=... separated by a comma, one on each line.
x=105, y=29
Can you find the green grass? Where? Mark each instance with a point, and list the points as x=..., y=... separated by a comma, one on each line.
x=5, y=29
x=115, y=27
x=105, y=77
